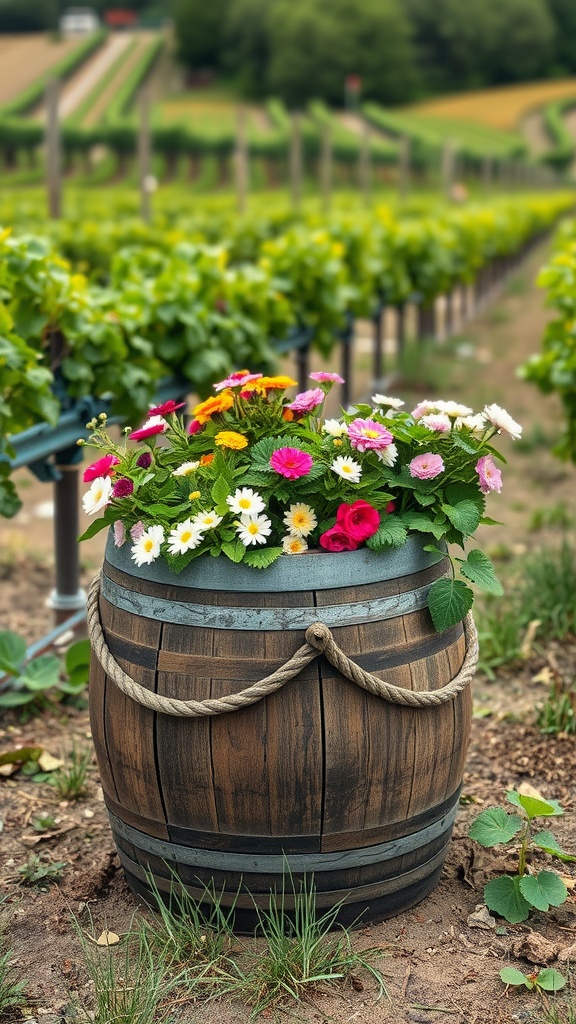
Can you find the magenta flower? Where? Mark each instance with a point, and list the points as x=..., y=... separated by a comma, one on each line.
x=291, y=462
x=359, y=520
x=166, y=408
x=194, y=426
x=307, y=401
x=238, y=379
x=426, y=467
x=490, y=477
x=102, y=467
x=123, y=488
x=337, y=539
x=144, y=460
x=154, y=425
x=326, y=378
x=368, y=435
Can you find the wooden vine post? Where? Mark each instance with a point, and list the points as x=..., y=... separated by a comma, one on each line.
x=364, y=163
x=404, y=168
x=296, y=162
x=326, y=168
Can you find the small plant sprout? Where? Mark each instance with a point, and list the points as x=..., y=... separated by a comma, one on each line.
x=41, y=873
x=546, y=980
x=515, y=896
x=71, y=780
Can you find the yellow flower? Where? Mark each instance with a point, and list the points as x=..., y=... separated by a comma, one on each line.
x=337, y=442
x=231, y=439
x=264, y=384
x=218, y=403
x=193, y=495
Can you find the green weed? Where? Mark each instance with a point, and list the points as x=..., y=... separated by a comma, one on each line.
x=548, y=593
x=41, y=872
x=71, y=780
x=556, y=516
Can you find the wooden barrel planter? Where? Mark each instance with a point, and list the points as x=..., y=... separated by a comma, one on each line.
x=321, y=777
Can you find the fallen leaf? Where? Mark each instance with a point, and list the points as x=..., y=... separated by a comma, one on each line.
x=48, y=763
x=20, y=756
x=40, y=837
x=527, y=790
x=544, y=676
x=481, y=918
x=107, y=938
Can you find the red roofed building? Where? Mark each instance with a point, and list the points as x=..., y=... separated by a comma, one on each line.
x=119, y=17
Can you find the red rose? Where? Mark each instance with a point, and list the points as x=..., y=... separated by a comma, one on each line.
x=359, y=520
x=336, y=539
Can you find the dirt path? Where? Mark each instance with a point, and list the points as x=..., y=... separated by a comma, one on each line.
x=534, y=131
x=23, y=58
x=77, y=88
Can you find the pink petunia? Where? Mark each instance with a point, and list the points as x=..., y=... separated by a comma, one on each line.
x=489, y=476
x=102, y=467
x=291, y=463
x=368, y=435
x=237, y=379
x=426, y=467
x=154, y=425
x=307, y=401
x=326, y=378
x=166, y=408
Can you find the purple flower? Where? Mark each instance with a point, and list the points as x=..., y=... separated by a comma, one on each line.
x=368, y=435
x=326, y=378
x=119, y=533
x=307, y=401
x=144, y=460
x=426, y=467
x=123, y=488
x=137, y=530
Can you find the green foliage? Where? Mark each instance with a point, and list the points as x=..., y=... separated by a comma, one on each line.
x=11, y=990
x=39, y=682
x=515, y=896
x=40, y=871
x=71, y=780
x=546, y=980
x=558, y=712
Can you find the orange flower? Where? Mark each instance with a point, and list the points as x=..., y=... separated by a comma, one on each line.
x=205, y=460
x=287, y=415
x=219, y=403
x=264, y=384
x=231, y=439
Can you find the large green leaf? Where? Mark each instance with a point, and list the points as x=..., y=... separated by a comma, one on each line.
x=391, y=534
x=495, y=826
x=503, y=896
x=545, y=841
x=479, y=569
x=534, y=807
x=42, y=673
x=263, y=557
x=449, y=601
x=511, y=976
x=550, y=980
x=543, y=890
x=464, y=516
x=12, y=652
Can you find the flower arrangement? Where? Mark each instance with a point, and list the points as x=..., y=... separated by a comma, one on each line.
x=255, y=474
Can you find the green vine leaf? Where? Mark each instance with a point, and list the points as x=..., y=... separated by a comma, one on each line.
x=494, y=826
x=543, y=890
x=503, y=896
x=479, y=569
x=449, y=602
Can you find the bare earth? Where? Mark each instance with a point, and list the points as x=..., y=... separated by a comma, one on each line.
x=23, y=58
x=437, y=966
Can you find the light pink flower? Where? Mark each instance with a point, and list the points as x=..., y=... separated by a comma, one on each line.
x=237, y=379
x=368, y=435
x=307, y=401
x=427, y=466
x=423, y=409
x=137, y=530
x=119, y=533
x=102, y=467
x=437, y=421
x=490, y=477
x=291, y=462
x=154, y=425
x=166, y=408
x=326, y=378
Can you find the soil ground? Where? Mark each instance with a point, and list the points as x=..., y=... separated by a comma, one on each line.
x=437, y=966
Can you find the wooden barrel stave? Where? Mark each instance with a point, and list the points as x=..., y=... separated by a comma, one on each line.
x=288, y=774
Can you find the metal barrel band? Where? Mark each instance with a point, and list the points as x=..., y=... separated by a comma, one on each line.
x=319, y=640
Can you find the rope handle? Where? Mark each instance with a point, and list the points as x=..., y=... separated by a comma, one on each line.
x=319, y=640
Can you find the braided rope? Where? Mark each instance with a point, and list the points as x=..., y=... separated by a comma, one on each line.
x=319, y=640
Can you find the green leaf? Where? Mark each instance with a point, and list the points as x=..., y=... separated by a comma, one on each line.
x=464, y=516
x=543, y=890
x=495, y=826
x=503, y=896
x=422, y=523
x=12, y=652
x=550, y=980
x=14, y=699
x=234, y=549
x=262, y=558
x=479, y=569
x=545, y=841
x=97, y=526
x=424, y=499
x=449, y=602
x=42, y=673
x=510, y=976
x=77, y=656
x=390, y=534
x=10, y=503
x=533, y=807
x=220, y=491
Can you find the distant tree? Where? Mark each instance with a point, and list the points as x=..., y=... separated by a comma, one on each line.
x=564, y=15
x=315, y=44
x=246, y=45
x=199, y=31
x=28, y=15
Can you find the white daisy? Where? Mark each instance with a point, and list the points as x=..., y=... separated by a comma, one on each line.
x=245, y=502
x=254, y=529
x=454, y=409
x=186, y=468
x=300, y=519
x=334, y=427
x=98, y=496
x=476, y=423
x=348, y=468
x=388, y=455
x=393, y=403
x=502, y=420
x=207, y=520
x=184, y=537
x=293, y=545
x=147, y=547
